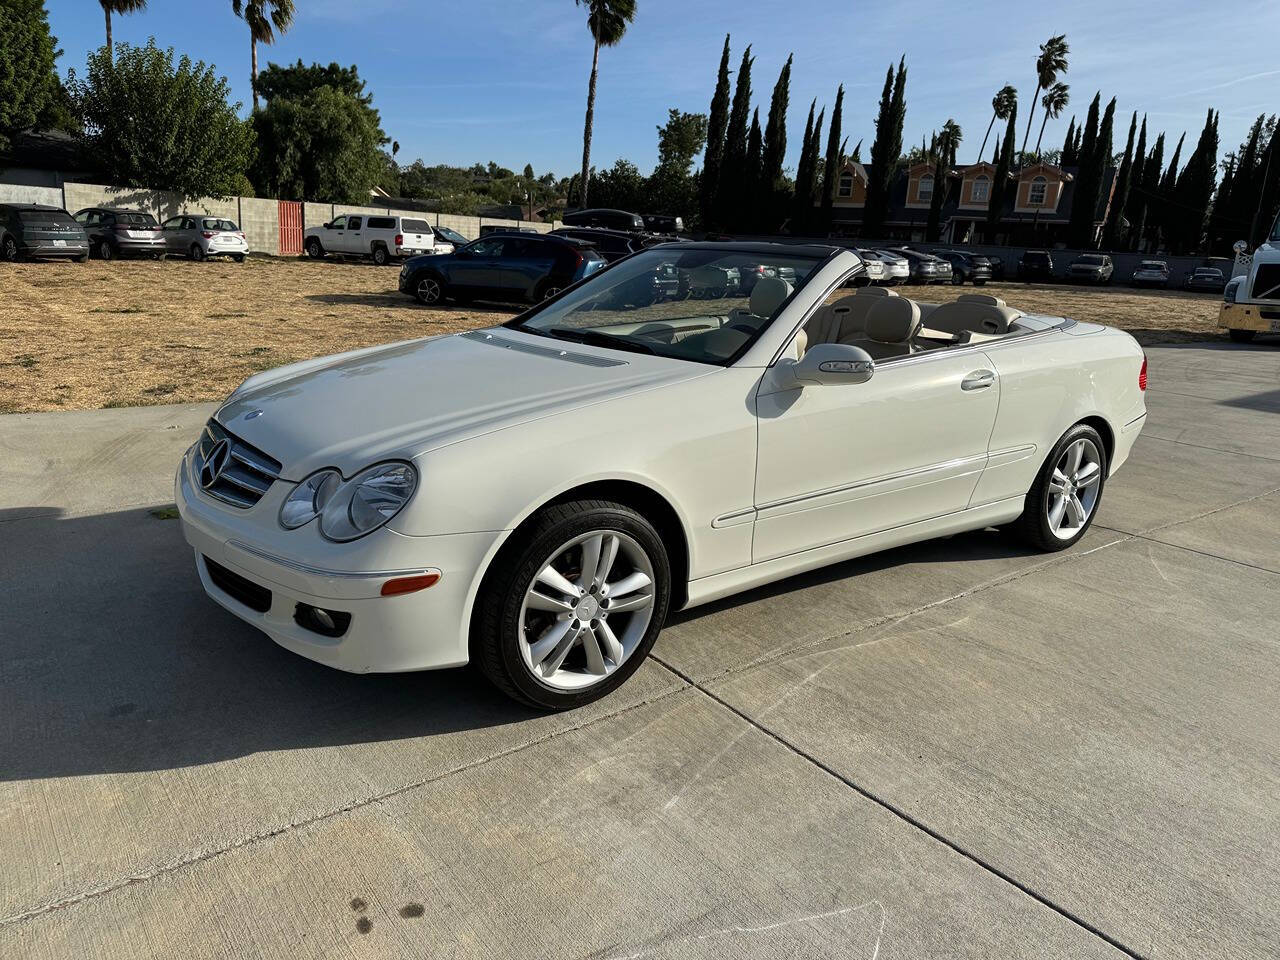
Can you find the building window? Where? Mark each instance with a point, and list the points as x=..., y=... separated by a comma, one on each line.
x=981, y=190
x=926, y=187
x=846, y=185
x=1039, y=186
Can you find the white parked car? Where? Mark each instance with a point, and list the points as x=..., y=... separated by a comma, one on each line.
x=538, y=496
x=897, y=270
x=200, y=237
x=381, y=238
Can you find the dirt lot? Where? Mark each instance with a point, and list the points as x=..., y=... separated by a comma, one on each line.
x=82, y=336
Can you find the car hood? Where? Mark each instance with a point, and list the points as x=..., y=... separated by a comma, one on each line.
x=401, y=400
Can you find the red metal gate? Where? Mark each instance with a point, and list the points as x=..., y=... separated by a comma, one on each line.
x=290, y=228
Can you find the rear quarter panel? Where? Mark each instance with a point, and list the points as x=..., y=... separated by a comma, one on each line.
x=1049, y=383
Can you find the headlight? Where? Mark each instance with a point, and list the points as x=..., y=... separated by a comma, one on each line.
x=349, y=510
x=308, y=498
x=1232, y=289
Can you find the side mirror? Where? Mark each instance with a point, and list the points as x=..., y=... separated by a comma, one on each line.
x=827, y=363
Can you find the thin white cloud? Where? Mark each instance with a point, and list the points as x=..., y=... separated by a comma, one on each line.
x=1222, y=86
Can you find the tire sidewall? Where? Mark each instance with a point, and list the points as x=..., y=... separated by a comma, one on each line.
x=380, y=256
x=9, y=250
x=1038, y=498
x=503, y=596
x=315, y=249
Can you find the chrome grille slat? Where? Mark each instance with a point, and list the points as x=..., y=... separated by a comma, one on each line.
x=245, y=473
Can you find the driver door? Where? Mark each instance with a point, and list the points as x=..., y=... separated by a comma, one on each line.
x=478, y=268
x=839, y=461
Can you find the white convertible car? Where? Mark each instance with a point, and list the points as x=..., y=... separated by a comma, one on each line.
x=537, y=497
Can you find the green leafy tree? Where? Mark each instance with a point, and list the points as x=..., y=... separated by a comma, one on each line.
x=122, y=7
x=607, y=20
x=806, y=189
x=755, y=193
x=672, y=188
x=29, y=86
x=733, y=172
x=621, y=186
x=830, y=173
x=1005, y=100
x=1120, y=196
x=319, y=135
x=1135, y=202
x=886, y=148
x=266, y=19
x=149, y=122
x=775, y=144
x=717, y=125
x=1067, y=155
x=1051, y=62
x=1151, y=170
x=1080, y=221
x=1193, y=191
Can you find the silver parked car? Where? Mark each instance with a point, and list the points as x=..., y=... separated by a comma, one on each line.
x=201, y=237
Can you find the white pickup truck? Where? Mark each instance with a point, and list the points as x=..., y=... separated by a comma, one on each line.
x=383, y=238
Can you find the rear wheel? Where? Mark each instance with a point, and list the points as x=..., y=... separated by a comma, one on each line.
x=380, y=256
x=106, y=251
x=546, y=290
x=197, y=252
x=572, y=605
x=957, y=279
x=1242, y=336
x=9, y=250
x=1063, y=501
x=315, y=249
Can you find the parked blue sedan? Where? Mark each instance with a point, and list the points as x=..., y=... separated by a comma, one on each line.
x=511, y=267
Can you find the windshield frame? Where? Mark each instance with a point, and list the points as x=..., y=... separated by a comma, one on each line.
x=519, y=323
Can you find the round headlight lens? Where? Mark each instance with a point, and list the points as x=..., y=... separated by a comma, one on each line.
x=368, y=500
x=308, y=498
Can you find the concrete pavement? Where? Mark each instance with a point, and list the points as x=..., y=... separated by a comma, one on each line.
x=953, y=749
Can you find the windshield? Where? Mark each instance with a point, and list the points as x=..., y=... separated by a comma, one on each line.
x=704, y=305
x=453, y=236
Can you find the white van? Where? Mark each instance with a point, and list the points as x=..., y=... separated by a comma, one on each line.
x=383, y=238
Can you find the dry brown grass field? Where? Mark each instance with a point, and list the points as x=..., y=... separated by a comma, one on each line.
x=83, y=336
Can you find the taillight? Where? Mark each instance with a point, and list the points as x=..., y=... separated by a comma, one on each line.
x=1142, y=374
x=207, y=234
x=399, y=240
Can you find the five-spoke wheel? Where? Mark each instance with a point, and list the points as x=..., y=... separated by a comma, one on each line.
x=1064, y=499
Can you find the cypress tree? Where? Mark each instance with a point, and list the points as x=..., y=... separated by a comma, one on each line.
x=877, y=180
x=1193, y=191
x=1120, y=196
x=830, y=173
x=732, y=186
x=802, y=206
x=1238, y=197
x=775, y=132
x=1267, y=190
x=1075, y=147
x=1135, y=200
x=717, y=124
x=1085, y=199
x=1067, y=157
x=755, y=196
x=1150, y=189
x=1000, y=187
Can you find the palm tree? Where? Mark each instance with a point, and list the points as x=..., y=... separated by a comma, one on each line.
x=1002, y=105
x=1054, y=101
x=608, y=21
x=265, y=18
x=1051, y=62
x=118, y=6
x=949, y=141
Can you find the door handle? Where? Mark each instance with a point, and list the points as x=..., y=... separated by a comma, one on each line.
x=978, y=380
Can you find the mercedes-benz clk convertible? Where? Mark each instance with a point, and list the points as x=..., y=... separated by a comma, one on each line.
x=536, y=497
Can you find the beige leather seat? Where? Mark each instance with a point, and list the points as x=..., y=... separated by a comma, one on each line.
x=973, y=312
x=845, y=320
x=767, y=296
x=891, y=327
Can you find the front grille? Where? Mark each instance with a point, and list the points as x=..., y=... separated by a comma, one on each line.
x=241, y=475
x=1266, y=282
x=238, y=588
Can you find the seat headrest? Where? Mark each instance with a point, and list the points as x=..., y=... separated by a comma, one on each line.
x=981, y=298
x=874, y=292
x=893, y=320
x=972, y=315
x=768, y=295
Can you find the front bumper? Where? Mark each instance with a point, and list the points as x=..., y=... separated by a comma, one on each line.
x=414, y=631
x=1250, y=316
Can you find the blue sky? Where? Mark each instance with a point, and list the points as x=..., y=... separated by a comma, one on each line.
x=506, y=80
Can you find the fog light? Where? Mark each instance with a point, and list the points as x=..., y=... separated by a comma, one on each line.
x=327, y=623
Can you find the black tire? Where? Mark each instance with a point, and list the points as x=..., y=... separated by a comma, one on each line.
x=1242, y=336
x=429, y=289
x=106, y=251
x=1033, y=527
x=957, y=279
x=979, y=283
x=197, y=253
x=83, y=258
x=495, y=626
x=158, y=257
x=238, y=257
x=380, y=256
x=9, y=250
x=314, y=248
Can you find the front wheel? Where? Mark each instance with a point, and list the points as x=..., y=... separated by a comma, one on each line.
x=1242, y=336
x=315, y=249
x=572, y=605
x=429, y=290
x=1064, y=499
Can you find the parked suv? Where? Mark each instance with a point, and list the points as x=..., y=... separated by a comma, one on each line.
x=1036, y=265
x=200, y=237
x=502, y=266
x=609, y=219
x=925, y=267
x=1151, y=273
x=380, y=237
x=1091, y=268
x=967, y=266
x=33, y=230
x=612, y=244
x=115, y=233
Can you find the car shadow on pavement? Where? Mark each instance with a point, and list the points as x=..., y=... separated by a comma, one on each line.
x=115, y=661
x=402, y=301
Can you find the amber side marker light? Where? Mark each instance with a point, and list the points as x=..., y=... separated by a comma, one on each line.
x=399, y=585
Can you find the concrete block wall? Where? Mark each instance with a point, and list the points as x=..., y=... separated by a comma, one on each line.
x=19, y=193
x=260, y=221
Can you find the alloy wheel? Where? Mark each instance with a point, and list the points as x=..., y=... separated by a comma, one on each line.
x=10, y=250
x=1074, y=488
x=586, y=610
x=429, y=290
x=550, y=292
